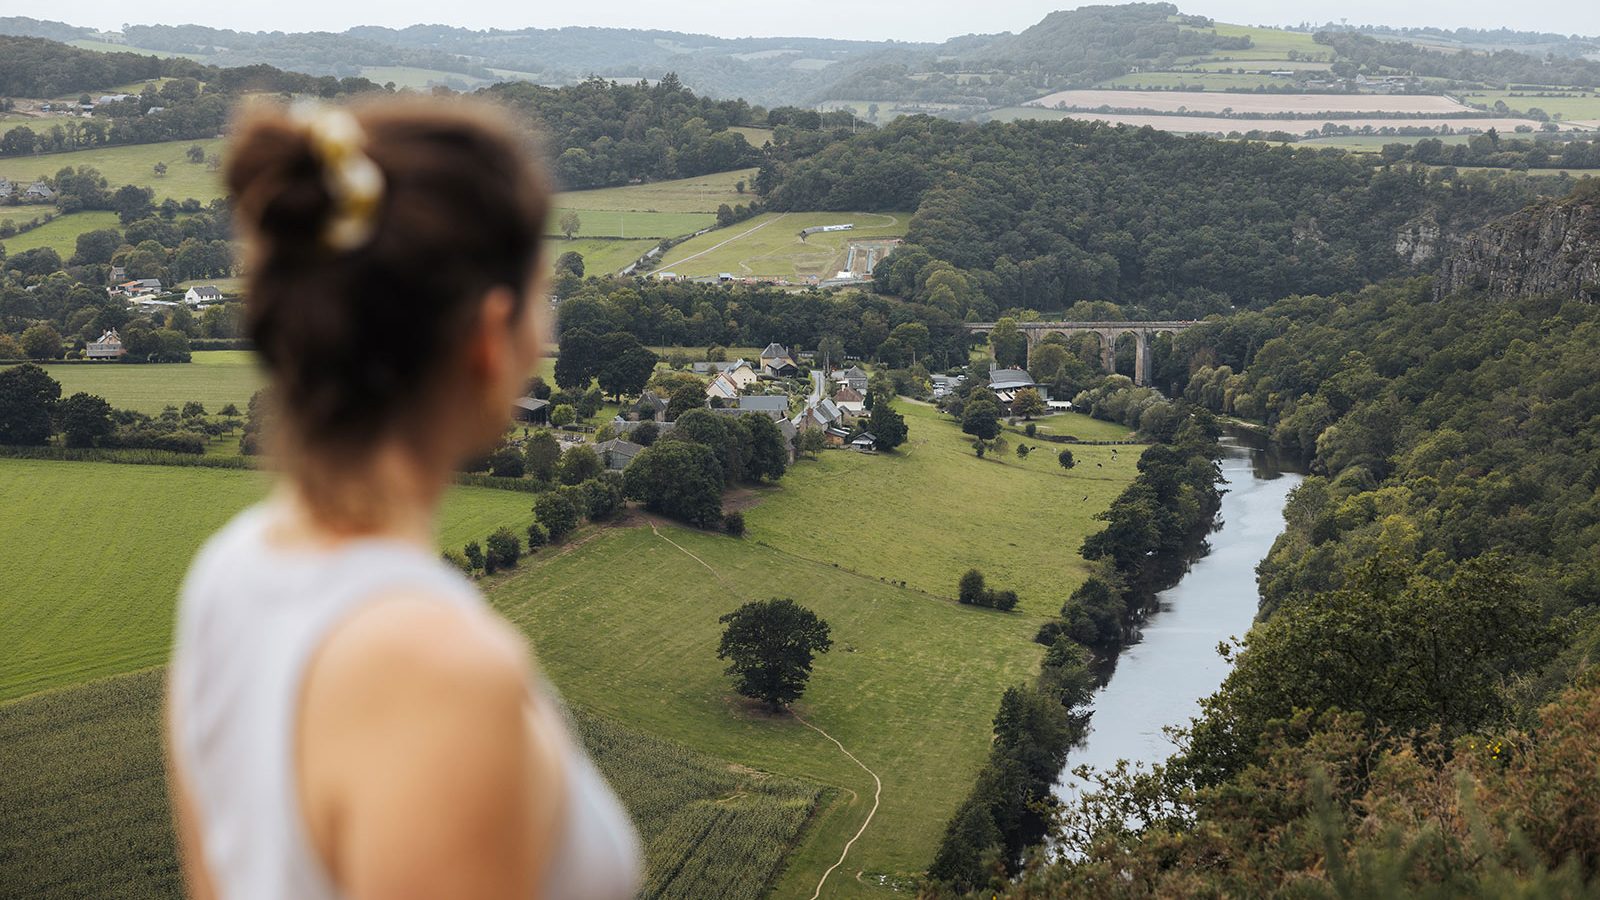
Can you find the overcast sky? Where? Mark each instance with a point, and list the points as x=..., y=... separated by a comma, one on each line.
x=922, y=20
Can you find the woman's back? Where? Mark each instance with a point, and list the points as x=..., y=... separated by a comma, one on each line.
x=252, y=621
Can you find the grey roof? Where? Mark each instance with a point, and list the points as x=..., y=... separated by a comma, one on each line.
x=206, y=291
x=531, y=404
x=774, y=349
x=865, y=436
x=618, y=446
x=788, y=429
x=765, y=404
x=1010, y=379
x=652, y=400
x=853, y=372
x=625, y=427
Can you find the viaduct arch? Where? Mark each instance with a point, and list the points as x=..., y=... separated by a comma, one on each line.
x=1108, y=332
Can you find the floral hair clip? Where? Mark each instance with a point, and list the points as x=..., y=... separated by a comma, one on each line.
x=353, y=180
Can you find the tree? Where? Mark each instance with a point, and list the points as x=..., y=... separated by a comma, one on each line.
x=193, y=409
x=767, y=456
x=85, y=419
x=811, y=442
x=132, y=203
x=541, y=451
x=474, y=554
x=971, y=589
x=733, y=523
x=677, y=478
x=160, y=169
x=770, y=646
x=683, y=398
x=1065, y=459
x=645, y=433
x=195, y=154
x=42, y=342
x=562, y=415
x=629, y=371
x=1027, y=403
x=28, y=397
x=888, y=427
x=1009, y=344
x=578, y=464
x=504, y=549
x=537, y=537
x=557, y=514
x=570, y=263
x=981, y=418
x=506, y=462
x=570, y=223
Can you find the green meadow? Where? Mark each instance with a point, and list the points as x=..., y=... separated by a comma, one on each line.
x=601, y=257
x=608, y=223
x=59, y=234
x=104, y=546
x=214, y=377
x=770, y=245
x=700, y=194
x=132, y=164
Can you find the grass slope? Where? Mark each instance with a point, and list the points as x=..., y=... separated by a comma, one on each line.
x=610, y=223
x=99, y=827
x=770, y=245
x=215, y=378
x=132, y=164
x=700, y=194
x=1018, y=521
x=96, y=552
x=601, y=257
x=60, y=233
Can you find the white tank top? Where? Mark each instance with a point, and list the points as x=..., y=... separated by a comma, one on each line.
x=250, y=619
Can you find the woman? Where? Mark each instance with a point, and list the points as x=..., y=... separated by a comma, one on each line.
x=347, y=717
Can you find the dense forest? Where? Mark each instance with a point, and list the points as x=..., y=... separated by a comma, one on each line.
x=1502, y=67
x=1042, y=214
x=1414, y=715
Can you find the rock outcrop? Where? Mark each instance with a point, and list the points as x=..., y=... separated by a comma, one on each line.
x=1549, y=249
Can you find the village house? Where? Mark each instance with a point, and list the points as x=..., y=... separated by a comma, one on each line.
x=617, y=453
x=722, y=387
x=822, y=414
x=139, y=287
x=855, y=377
x=109, y=346
x=531, y=410
x=836, y=436
x=650, y=407
x=626, y=427
x=775, y=408
x=203, y=293
x=740, y=372
x=6, y=188
x=850, y=400
x=38, y=192
x=777, y=363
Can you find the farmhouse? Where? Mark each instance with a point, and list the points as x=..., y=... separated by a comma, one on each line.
x=740, y=372
x=139, y=287
x=722, y=387
x=822, y=414
x=775, y=408
x=204, y=293
x=38, y=192
x=617, y=453
x=777, y=363
x=855, y=377
x=109, y=346
x=650, y=407
x=850, y=400
x=6, y=188
x=531, y=410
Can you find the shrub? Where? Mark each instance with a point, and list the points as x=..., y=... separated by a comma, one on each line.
x=537, y=537
x=506, y=462
x=474, y=555
x=457, y=559
x=1065, y=459
x=733, y=523
x=557, y=514
x=504, y=549
x=1031, y=429
x=971, y=588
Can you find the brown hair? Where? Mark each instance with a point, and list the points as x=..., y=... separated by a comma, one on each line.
x=355, y=332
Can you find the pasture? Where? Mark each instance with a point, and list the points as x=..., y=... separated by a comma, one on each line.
x=1265, y=43
x=99, y=827
x=95, y=553
x=132, y=164
x=700, y=194
x=419, y=78
x=612, y=223
x=59, y=234
x=601, y=257
x=769, y=245
x=215, y=378
x=1572, y=105
x=1020, y=521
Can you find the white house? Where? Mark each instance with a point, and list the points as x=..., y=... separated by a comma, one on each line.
x=722, y=386
x=741, y=373
x=850, y=400
x=203, y=293
x=139, y=287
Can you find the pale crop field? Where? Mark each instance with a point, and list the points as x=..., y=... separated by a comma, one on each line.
x=1211, y=102
x=1221, y=125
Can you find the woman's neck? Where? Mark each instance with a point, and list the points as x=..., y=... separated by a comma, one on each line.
x=389, y=494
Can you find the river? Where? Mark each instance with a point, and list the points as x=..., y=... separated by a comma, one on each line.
x=1160, y=678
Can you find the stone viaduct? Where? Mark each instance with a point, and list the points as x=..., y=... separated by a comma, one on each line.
x=1107, y=332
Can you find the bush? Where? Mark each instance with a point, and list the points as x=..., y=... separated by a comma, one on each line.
x=1031, y=429
x=458, y=560
x=1065, y=459
x=557, y=514
x=971, y=588
x=537, y=537
x=474, y=555
x=507, y=463
x=733, y=523
x=602, y=496
x=504, y=549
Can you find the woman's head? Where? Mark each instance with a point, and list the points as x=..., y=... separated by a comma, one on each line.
x=393, y=250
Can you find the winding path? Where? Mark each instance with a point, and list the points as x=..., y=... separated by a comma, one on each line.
x=877, y=791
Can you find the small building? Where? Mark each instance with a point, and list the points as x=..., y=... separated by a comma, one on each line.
x=531, y=410
x=854, y=376
x=864, y=441
x=139, y=287
x=118, y=274
x=6, y=188
x=822, y=414
x=112, y=98
x=775, y=408
x=850, y=400
x=38, y=192
x=617, y=453
x=722, y=387
x=1006, y=382
x=202, y=293
x=790, y=432
x=777, y=363
x=109, y=346
x=626, y=427
x=835, y=437
x=650, y=407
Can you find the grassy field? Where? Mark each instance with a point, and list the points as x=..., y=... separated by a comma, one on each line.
x=630, y=223
x=1019, y=521
x=1570, y=105
x=107, y=545
x=701, y=194
x=99, y=828
x=132, y=164
x=215, y=378
x=1201, y=103
x=106, y=47
x=419, y=79
x=769, y=245
x=757, y=137
x=60, y=233
x=1265, y=43
x=602, y=257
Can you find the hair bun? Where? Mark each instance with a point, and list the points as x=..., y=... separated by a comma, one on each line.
x=277, y=181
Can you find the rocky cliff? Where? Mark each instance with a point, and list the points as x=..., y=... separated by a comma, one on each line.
x=1549, y=249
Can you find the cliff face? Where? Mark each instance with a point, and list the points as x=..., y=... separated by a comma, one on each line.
x=1548, y=249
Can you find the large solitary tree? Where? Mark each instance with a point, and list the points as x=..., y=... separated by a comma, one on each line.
x=28, y=396
x=770, y=645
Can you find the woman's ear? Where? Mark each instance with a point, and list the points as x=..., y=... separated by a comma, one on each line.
x=490, y=349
